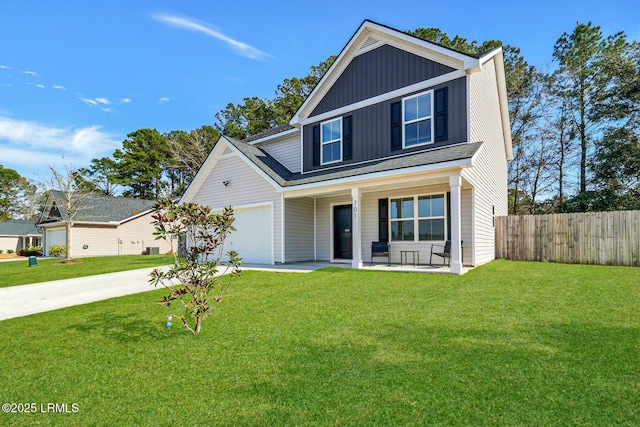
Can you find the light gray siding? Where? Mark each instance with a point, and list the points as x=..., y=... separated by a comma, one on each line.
x=489, y=175
x=298, y=214
x=378, y=71
x=246, y=187
x=286, y=152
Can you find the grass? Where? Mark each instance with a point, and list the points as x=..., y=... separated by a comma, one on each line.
x=14, y=273
x=506, y=344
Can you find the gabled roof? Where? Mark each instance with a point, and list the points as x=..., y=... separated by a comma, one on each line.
x=98, y=208
x=18, y=227
x=282, y=178
x=371, y=35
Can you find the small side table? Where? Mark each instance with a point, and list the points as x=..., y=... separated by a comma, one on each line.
x=415, y=255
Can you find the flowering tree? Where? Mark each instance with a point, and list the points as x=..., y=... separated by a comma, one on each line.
x=198, y=276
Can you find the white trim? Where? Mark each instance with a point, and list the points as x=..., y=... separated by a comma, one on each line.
x=332, y=141
x=282, y=230
x=420, y=86
x=419, y=119
x=392, y=37
x=385, y=158
x=332, y=257
x=315, y=230
x=455, y=164
x=416, y=218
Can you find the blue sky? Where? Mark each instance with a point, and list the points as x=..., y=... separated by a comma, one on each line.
x=77, y=76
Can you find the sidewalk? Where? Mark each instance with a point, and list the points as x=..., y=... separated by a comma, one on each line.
x=18, y=301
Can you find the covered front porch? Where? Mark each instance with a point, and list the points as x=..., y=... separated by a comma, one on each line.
x=309, y=266
x=337, y=224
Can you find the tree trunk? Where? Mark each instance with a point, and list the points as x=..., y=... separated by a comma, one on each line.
x=68, y=242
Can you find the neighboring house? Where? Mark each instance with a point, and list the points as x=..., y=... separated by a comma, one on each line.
x=104, y=225
x=402, y=140
x=18, y=234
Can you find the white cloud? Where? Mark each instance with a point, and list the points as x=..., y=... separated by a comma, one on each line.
x=164, y=99
x=94, y=101
x=31, y=73
x=4, y=67
x=35, y=139
x=239, y=47
x=125, y=101
x=59, y=87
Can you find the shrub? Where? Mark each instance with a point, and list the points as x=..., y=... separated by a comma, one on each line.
x=2, y=251
x=193, y=280
x=10, y=251
x=30, y=251
x=57, y=250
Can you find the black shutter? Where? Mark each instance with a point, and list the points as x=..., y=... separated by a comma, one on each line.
x=383, y=220
x=441, y=121
x=346, y=138
x=396, y=126
x=316, y=145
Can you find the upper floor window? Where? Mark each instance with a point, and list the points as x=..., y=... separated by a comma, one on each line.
x=417, y=119
x=331, y=141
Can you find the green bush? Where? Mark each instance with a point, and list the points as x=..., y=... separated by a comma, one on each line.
x=2, y=251
x=57, y=250
x=9, y=251
x=31, y=251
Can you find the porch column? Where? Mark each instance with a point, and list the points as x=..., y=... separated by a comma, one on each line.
x=455, y=181
x=356, y=238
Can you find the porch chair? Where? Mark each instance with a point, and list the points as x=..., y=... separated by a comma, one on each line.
x=445, y=253
x=380, y=249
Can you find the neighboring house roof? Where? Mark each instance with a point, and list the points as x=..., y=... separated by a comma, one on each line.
x=98, y=208
x=286, y=178
x=18, y=227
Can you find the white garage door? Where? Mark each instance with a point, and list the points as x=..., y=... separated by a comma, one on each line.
x=253, y=238
x=56, y=236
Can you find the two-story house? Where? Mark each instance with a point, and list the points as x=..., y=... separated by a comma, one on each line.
x=402, y=140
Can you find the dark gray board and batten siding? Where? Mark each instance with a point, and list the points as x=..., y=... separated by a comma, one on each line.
x=374, y=73
x=371, y=128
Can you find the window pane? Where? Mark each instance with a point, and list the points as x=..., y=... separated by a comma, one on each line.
x=407, y=208
x=335, y=151
x=437, y=205
x=407, y=230
x=394, y=205
x=424, y=131
x=411, y=135
x=431, y=229
x=395, y=230
x=410, y=109
x=331, y=152
x=424, y=105
x=331, y=131
x=430, y=206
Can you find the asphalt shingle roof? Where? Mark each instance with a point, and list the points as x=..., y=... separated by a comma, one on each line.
x=18, y=227
x=100, y=208
x=286, y=178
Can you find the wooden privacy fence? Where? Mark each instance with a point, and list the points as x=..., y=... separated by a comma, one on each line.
x=579, y=238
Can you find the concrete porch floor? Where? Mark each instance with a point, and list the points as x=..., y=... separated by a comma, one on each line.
x=307, y=267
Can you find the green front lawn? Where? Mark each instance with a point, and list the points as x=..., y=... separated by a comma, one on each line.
x=14, y=273
x=506, y=344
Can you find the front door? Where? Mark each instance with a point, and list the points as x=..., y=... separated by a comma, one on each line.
x=342, y=242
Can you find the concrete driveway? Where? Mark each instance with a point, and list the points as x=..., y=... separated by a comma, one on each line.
x=17, y=301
